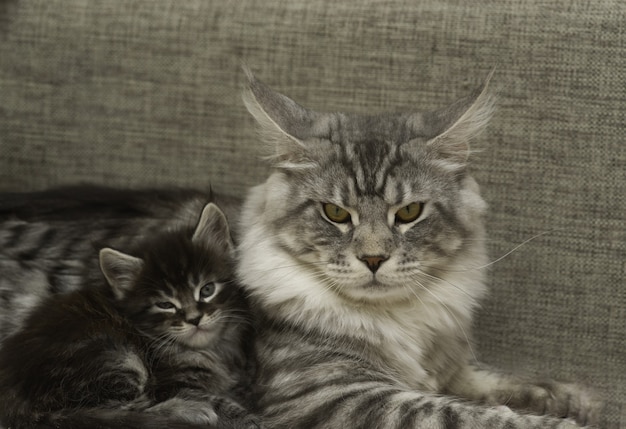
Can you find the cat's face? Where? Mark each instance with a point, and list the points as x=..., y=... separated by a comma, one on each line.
x=179, y=291
x=372, y=219
x=373, y=208
x=193, y=308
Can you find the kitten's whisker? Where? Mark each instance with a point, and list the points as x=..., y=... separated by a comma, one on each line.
x=161, y=346
x=227, y=318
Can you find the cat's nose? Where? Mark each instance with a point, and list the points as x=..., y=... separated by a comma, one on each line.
x=373, y=262
x=195, y=321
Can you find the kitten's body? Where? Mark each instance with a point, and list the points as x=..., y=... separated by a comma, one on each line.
x=363, y=254
x=165, y=343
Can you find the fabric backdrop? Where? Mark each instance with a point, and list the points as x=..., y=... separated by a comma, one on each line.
x=147, y=93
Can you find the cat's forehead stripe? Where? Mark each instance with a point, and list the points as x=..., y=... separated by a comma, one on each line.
x=169, y=290
x=370, y=163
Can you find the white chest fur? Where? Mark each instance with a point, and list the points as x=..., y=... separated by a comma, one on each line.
x=405, y=337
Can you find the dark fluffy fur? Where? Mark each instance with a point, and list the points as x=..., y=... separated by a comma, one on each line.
x=49, y=240
x=104, y=356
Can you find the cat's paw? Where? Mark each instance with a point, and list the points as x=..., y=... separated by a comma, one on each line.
x=248, y=422
x=565, y=400
x=198, y=412
x=237, y=416
x=571, y=401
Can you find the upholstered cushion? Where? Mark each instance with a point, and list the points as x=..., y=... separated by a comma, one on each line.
x=148, y=93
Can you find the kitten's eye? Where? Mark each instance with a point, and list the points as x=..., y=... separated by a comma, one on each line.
x=409, y=213
x=336, y=214
x=165, y=305
x=207, y=291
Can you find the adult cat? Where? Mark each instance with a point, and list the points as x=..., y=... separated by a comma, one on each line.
x=363, y=254
x=161, y=344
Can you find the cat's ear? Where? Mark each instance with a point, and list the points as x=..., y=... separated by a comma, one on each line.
x=120, y=270
x=459, y=123
x=284, y=124
x=213, y=228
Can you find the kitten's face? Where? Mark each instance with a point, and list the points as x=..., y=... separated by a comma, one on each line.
x=179, y=290
x=182, y=303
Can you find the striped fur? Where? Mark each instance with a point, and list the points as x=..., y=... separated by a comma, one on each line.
x=49, y=240
x=164, y=343
x=364, y=253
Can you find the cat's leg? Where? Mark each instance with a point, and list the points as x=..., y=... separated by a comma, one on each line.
x=116, y=376
x=210, y=409
x=187, y=410
x=539, y=396
x=96, y=374
x=237, y=416
x=348, y=395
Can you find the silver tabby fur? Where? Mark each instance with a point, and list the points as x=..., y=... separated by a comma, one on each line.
x=367, y=321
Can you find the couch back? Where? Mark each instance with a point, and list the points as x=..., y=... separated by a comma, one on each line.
x=147, y=93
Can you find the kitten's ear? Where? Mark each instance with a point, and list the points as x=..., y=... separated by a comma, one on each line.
x=283, y=123
x=213, y=227
x=458, y=124
x=121, y=270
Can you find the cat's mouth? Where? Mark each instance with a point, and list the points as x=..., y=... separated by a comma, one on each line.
x=373, y=291
x=374, y=286
x=197, y=336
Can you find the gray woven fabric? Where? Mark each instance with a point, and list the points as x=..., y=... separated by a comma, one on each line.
x=148, y=93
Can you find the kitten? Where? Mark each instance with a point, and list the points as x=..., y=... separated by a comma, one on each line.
x=162, y=343
x=363, y=254
x=49, y=239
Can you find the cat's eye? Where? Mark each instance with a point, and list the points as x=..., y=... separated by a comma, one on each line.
x=165, y=305
x=335, y=213
x=409, y=213
x=207, y=291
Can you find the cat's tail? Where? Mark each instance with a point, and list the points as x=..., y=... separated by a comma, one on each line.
x=116, y=419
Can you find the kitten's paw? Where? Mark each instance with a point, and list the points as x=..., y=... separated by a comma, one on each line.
x=247, y=423
x=186, y=410
x=238, y=417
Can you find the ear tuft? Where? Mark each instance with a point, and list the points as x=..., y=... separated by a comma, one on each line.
x=461, y=123
x=283, y=123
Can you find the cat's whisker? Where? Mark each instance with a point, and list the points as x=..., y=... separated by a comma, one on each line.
x=328, y=283
x=451, y=313
x=241, y=313
x=493, y=262
x=296, y=265
x=433, y=277
x=228, y=318
x=161, y=346
x=514, y=249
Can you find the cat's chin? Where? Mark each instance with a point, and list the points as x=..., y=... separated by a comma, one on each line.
x=373, y=292
x=197, y=338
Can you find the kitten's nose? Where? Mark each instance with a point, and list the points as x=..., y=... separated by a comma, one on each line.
x=195, y=320
x=373, y=262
